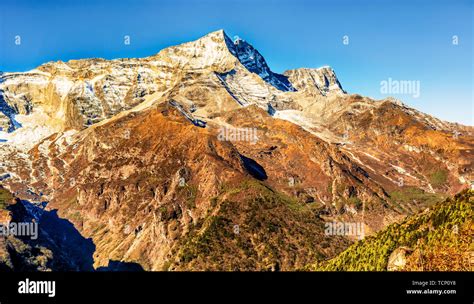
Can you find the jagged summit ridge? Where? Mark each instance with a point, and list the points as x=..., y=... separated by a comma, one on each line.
x=216, y=51
x=208, y=52
x=256, y=63
x=322, y=81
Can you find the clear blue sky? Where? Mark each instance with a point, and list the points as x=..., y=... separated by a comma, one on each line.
x=403, y=40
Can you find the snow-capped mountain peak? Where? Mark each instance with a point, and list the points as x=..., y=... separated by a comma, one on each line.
x=218, y=52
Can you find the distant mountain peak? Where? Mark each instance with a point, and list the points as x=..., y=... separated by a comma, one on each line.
x=249, y=57
x=216, y=50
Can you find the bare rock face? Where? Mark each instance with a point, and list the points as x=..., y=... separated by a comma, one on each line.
x=79, y=93
x=255, y=63
x=157, y=160
x=322, y=81
x=397, y=259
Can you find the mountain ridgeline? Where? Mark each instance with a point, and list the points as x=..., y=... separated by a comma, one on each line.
x=437, y=239
x=200, y=157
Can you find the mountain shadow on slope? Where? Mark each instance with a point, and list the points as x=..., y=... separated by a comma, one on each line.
x=254, y=168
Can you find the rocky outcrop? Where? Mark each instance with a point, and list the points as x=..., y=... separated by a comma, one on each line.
x=322, y=81
x=397, y=259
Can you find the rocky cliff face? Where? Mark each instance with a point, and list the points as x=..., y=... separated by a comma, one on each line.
x=160, y=160
x=322, y=81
